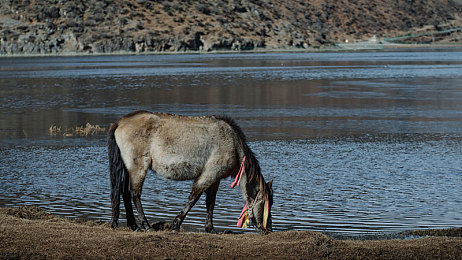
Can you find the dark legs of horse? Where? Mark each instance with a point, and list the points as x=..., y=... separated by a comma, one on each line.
x=136, y=183
x=211, y=195
x=194, y=196
x=128, y=208
x=115, y=211
x=192, y=199
x=131, y=222
x=142, y=221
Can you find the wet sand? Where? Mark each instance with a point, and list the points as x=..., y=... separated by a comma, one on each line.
x=30, y=233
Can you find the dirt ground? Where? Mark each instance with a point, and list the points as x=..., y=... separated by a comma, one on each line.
x=31, y=233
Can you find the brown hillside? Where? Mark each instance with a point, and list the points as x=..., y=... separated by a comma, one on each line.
x=57, y=26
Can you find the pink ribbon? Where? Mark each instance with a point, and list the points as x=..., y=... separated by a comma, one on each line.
x=241, y=220
x=237, y=180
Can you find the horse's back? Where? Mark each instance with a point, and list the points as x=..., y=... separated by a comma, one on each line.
x=176, y=147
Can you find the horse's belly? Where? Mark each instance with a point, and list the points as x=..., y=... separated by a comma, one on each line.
x=179, y=171
x=179, y=162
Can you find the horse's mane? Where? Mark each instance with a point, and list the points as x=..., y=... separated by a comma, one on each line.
x=252, y=167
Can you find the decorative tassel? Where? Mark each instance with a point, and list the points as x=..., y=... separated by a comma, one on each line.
x=243, y=221
x=265, y=214
x=237, y=180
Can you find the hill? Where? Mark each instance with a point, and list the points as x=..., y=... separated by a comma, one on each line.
x=75, y=26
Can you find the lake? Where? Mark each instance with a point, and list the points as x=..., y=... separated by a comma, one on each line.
x=357, y=143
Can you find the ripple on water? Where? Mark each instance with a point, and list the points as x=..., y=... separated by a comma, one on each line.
x=344, y=185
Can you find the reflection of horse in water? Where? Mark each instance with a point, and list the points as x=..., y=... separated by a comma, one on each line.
x=203, y=149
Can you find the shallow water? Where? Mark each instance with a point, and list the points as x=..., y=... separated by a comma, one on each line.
x=357, y=143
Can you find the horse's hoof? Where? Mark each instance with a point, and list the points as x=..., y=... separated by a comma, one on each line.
x=143, y=229
x=134, y=228
x=210, y=230
x=175, y=228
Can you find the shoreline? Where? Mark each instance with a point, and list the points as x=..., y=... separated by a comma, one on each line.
x=339, y=47
x=30, y=232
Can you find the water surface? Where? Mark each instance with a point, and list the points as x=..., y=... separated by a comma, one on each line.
x=357, y=143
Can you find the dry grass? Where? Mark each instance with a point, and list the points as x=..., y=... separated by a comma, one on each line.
x=29, y=232
x=80, y=131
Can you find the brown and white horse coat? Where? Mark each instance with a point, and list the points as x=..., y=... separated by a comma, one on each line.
x=203, y=149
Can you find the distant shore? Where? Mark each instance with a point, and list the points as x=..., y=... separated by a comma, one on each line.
x=30, y=232
x=351, y=47
x=117, y=27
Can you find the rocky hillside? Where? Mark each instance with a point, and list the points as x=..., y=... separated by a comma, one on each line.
x=103, y=26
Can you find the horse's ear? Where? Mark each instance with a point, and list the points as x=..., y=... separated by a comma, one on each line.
x=270, y=184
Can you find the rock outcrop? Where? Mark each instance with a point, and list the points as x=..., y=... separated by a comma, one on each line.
x=103, y=26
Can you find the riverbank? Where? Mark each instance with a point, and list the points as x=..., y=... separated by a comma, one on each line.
x=30, y=232
x=353, y=47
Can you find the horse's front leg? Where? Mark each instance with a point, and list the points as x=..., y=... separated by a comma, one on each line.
x=211, y=194
x=192, y=199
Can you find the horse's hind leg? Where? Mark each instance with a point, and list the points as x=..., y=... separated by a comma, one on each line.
x=136, y=184
x=127, y=197
x=143, y=222
x=115, y=211
x=211, y=195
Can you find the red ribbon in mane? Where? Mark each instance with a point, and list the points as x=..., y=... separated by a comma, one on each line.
x=239, y=174
x=243, y=218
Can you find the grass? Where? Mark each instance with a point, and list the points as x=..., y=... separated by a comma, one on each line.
x=78, y=131
x=29, y=232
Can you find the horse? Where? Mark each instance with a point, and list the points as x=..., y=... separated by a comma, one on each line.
x=205, y=149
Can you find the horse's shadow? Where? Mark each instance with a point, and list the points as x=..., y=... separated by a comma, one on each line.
x=166, y=226
x=161, y=226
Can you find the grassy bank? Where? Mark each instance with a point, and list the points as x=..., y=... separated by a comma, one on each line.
x=30, y=232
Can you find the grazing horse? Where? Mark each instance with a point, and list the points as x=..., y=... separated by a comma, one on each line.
x=203, y=149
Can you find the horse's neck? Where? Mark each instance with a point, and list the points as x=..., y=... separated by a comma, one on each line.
x=251, y=189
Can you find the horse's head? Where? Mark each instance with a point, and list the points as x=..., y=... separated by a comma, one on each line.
x=260, y=210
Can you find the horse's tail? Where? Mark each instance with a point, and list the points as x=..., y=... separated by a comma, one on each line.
x=117, y=172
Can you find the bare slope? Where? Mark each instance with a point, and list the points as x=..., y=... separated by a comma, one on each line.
x=56, y=26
